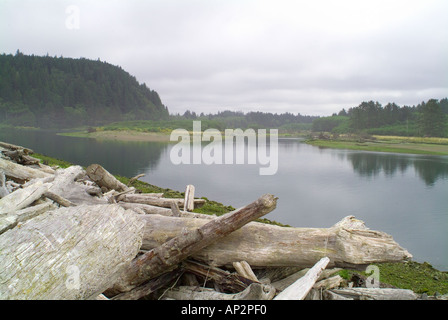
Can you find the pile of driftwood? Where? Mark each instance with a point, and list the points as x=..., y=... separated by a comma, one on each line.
x=80, y=233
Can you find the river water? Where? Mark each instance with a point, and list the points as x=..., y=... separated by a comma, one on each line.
x=403, y=195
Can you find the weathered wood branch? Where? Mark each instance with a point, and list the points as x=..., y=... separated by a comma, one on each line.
x=348, y=243
x=103, y=178
x=189, y=198
x=244, y=270
x=172, y=252
x=285, y=282
x=65, y=185
x=19, y=172
x=299, y=289
x=58, y=199
x=133, y=179
x=224, y=279
x=255, y=291
x=22, y=198
x=9, y=221
x=157, y=201
x=68, y=253
x=13, y=147
x=21, y=157
x=150, y=287
x=376, y=293
x=3, y=189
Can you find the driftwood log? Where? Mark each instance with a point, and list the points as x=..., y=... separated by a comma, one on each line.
x=68, y=253
x=105, y=179
x=162, y=258
x=255, y=291
x=373, y=294
x=21, y=173
x=159, y=201
x=300, y=289
x=348, y=243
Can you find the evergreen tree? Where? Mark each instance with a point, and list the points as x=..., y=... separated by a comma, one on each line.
x=431, y=119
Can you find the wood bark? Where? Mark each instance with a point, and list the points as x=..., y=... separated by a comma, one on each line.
x=172, y=252
x=299, y=289
x=348, y=243
x=68, y=253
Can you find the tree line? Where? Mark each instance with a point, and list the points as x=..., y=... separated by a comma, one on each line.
x=252, y=119
x=426, y=119
x=44, y=91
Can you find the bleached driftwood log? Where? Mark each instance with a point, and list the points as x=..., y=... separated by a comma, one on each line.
x=244, y=270
x=376, y=293
x=170, y=253
x=316, y=293
x=282, y=284
x=348, y=243
x=157, y=201
x=3, y=189
x=19, y=172
x=9, y=221
x=221, y=278
x=22, y=198
x=9, y=146
x=299, y=289
x=68, y=253
x=255, y=291
x=65, y=185
x=150, y=286
x=104, y=179
x=189, y=198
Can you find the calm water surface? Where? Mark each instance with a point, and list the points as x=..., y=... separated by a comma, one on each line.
x=403, y=195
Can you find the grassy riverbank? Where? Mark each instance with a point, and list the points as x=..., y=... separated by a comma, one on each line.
x=395, y=144
x=419, y=277
x=121, y=135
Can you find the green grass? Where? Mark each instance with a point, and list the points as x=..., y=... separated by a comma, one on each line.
x=52, y=161
x=418, y=277
x=383, y=146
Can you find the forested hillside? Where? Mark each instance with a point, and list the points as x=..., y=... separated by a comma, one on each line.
x=61, y=92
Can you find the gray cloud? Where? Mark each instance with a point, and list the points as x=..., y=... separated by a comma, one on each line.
x=312, y=57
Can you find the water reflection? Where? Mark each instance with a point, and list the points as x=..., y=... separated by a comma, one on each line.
x=124, y=158
x=429, y=169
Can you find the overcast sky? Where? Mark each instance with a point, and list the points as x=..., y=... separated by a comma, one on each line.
x=310, y=57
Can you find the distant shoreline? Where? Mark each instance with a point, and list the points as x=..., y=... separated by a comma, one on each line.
x=392, y=144
x=134, y=135
x=121, y=135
